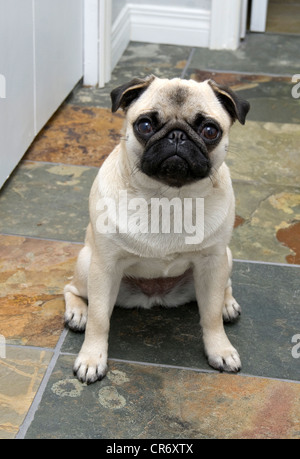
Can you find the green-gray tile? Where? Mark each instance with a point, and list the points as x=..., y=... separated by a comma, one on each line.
x=271, y=98
x=270, y=300
x=47, y=200
x=258, y=53
x=272, y=102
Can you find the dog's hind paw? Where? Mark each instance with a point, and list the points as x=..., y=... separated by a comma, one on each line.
x=231, y=309
x=76, y=312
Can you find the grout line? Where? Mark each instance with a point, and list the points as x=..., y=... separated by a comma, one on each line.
x=197, y=370
x=42, y=238
x=38, y=397
x=50, y=163
x=188, y=62
x=163, y=365
x=201, y=370
x=237, y=72
x=271, y=263
x=35, y=348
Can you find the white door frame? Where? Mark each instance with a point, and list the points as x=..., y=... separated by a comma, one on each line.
x=244, y=17
x=226, y=24
x=105, y=29
x=97, y=42
x=259, y=11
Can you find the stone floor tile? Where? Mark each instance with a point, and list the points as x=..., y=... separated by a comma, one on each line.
x=21, y=373
x=270, y=97
x=268, y=54
x=33, y=274
x=47, y=200
x=265, y=152
x=269, y=297
x=267, y=224
x=137, y=402
x=77, y=135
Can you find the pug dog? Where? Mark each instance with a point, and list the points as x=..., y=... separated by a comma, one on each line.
x=175, y=140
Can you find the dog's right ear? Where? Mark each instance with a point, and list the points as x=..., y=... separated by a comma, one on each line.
x=236, y=107
x=124, y=95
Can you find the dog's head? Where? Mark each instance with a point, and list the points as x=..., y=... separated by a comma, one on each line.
x=177, y=130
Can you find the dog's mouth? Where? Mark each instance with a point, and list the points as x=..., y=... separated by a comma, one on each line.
x=175, y=164
x=176, y=171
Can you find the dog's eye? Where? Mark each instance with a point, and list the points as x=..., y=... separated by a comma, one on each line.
x=145, y=127
x=210, y=132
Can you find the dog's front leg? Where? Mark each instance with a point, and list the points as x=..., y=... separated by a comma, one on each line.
x=211, y=276
x=103, y=287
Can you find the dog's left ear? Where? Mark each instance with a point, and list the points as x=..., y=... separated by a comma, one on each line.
x=124, y=95
x=235, y=106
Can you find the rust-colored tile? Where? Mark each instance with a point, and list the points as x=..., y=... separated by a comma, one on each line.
x=237, y=81
x=77, y=135
x=278, y=415
x=239, y=221
x=227, y=406
x=290, y=237
x=21, y=373
x=33, y=273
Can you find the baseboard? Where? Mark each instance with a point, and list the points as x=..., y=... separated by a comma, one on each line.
x=121, y=35
x=170, y=25
x=159, y=24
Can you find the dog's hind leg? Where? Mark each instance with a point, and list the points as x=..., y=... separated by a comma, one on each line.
x=76, y=293
x=231, y=308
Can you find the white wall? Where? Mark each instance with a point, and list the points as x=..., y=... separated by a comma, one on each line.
x=117, y=6
x=175, y=22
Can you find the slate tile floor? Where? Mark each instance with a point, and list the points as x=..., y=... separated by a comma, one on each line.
x=159, y=384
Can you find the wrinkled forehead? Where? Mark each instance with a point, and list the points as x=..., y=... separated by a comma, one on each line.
x=181, y=98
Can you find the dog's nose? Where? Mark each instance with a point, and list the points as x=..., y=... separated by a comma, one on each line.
x=177, y=136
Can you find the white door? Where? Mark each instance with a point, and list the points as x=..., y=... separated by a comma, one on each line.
x=259, y=10
x=17, y=76
x=58, y=53
x=97, y=42
x=40, y=63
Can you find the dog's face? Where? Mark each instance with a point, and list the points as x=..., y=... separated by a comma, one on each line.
x=177, y=130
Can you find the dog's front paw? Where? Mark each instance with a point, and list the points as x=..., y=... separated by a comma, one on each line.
x=231, y=309
x=220, y=353
x=227, y=359
x=89, y=369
